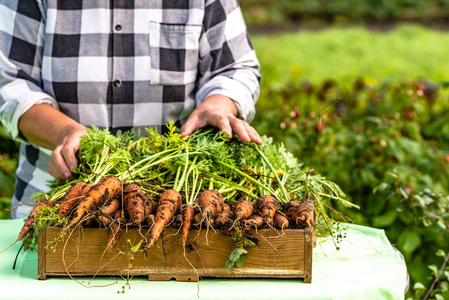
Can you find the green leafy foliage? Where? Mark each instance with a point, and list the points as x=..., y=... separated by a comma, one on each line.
x=9, y=153
x=237, y=258
x=387, y=149
x=342, y=11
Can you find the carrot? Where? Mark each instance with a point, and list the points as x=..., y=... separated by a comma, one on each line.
x=150, y=219
x=243, y=210
x=28, y=226
x=108, y=187
x=254, y=220
x=133, y=201
x=197, y=218
x=110, y=207
x=169, y=203
x=85, y=189
x=149, y=206
x=299, y=212
x=211, y=204
x=70, y=199
x=224, y=217
x=178, y=218
x=115, y=230
x=104, y=220
x=267, y=206
x=187, y=218
x=29, y=222
x=280, y=221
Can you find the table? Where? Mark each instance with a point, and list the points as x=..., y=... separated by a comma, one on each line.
x=365, y=267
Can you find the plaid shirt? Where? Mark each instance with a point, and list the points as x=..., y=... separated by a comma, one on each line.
x=118, y=64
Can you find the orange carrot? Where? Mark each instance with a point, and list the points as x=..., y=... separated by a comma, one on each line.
x=108, y=187
x=149, y=206
x=224, y=217
x=197, y=218
x=70, y=199
x=104, y=220
x=115, y=230
x=280, y=221
x=299, y=212
x=133, y=201
x=266, y=205
x=243, y=210
x=150, y=219
x=178, y=218
x=28, y=226
x=187, y=218
x=211, y=204
x=85, y=189
x=29, y=222
x=254, y=220
x=110, y=207
x=169, y=203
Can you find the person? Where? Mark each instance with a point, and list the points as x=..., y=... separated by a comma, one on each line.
x=68, y=65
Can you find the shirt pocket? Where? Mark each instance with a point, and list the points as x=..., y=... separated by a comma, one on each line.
x=173, y=53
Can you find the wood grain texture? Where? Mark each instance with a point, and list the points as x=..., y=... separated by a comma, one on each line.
x=84, y=253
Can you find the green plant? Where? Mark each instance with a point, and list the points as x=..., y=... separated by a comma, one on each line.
x=365, y=133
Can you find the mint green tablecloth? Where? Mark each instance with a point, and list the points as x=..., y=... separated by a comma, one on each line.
x=365, y=267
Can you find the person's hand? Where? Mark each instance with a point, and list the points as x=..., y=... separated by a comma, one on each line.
x=63, y=158
x=56, y=132
x=220, y=111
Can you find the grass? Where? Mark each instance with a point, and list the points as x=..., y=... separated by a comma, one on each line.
x=344, y=54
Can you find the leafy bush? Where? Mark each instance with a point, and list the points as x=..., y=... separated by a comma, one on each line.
x=343, y=11
x=387, y=147
x=8, y=165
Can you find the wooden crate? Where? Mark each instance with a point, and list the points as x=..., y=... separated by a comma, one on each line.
x=84, y=254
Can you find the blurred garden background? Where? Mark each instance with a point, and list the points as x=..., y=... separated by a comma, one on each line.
x=369, y=82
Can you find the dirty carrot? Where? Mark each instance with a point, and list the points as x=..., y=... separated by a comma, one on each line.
x=115, y=230
x=108, y=187
x=169, y=203
x=28, y=226
x=243, y=210
x=187, y=218
x=133, y=200
x=110, y=207
x=299, y=212
x=266, y=205
x=280, y=221
x=149, y=206
x=70, y=199
x=254, y=220
x=211, y=204
x=224, y=217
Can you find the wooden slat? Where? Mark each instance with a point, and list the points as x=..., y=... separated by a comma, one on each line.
x=207, y=251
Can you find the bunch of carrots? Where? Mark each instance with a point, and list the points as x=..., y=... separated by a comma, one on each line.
x=204, y=180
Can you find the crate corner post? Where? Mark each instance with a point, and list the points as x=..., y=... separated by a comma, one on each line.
x=308, y=237
x=41, y=252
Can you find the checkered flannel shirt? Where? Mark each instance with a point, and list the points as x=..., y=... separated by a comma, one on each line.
x=118, y=65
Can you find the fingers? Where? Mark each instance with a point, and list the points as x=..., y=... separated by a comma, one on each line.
x=190, y=125
x=244, y=131
x=63, y=159
x=226, y=122
x=58, y=167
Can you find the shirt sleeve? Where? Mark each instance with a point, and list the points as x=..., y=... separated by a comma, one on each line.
x=21, y=47
x=228, y=64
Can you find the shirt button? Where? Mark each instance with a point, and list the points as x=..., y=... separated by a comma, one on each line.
x=118, y=27
x=117, y=83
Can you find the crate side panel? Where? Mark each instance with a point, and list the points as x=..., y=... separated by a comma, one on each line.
x=85, y=253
